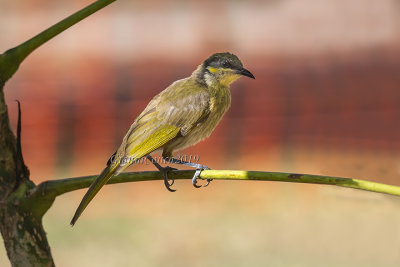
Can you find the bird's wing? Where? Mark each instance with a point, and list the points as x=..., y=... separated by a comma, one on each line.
x=185, y=106
x=174, y=111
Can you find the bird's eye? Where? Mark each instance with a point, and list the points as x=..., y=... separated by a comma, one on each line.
x=225, y=64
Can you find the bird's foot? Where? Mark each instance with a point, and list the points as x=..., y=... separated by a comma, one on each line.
x=164, y=171
x=197, y=175
x=167, y=183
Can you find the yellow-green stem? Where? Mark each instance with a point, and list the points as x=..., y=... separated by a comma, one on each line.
x=58, y=187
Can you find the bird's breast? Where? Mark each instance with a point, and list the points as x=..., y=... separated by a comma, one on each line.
x=219, y=104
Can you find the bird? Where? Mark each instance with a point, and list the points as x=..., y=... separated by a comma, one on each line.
x=180, y=116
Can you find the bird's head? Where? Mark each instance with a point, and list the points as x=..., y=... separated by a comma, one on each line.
x=223, y=69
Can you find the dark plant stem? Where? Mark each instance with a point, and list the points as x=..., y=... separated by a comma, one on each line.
x=21, y=213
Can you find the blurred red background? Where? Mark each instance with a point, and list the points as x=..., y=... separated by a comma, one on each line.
x=326, y=99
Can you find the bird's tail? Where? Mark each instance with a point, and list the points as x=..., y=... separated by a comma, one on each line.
x=103, y=178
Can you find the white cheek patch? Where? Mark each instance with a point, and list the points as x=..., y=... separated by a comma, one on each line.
x=210, y=79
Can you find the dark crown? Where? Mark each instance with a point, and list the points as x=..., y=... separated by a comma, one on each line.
x=223, y=60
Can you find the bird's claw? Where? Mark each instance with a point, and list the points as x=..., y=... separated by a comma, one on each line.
x=208, y=182
x=197, y=175
x=168, y=184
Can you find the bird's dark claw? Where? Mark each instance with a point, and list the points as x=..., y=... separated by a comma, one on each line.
x=168, y=184
x=164, y=171
x=208, y=182
x=197, y=175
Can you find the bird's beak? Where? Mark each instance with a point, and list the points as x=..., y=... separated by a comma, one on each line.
x=245, y=72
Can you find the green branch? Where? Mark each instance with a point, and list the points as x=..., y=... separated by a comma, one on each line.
x=11, y=59
x=58, y=187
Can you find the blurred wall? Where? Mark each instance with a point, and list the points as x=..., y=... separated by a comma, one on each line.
x=326, y=98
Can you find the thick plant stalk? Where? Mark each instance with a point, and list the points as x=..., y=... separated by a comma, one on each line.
x=21, y=214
